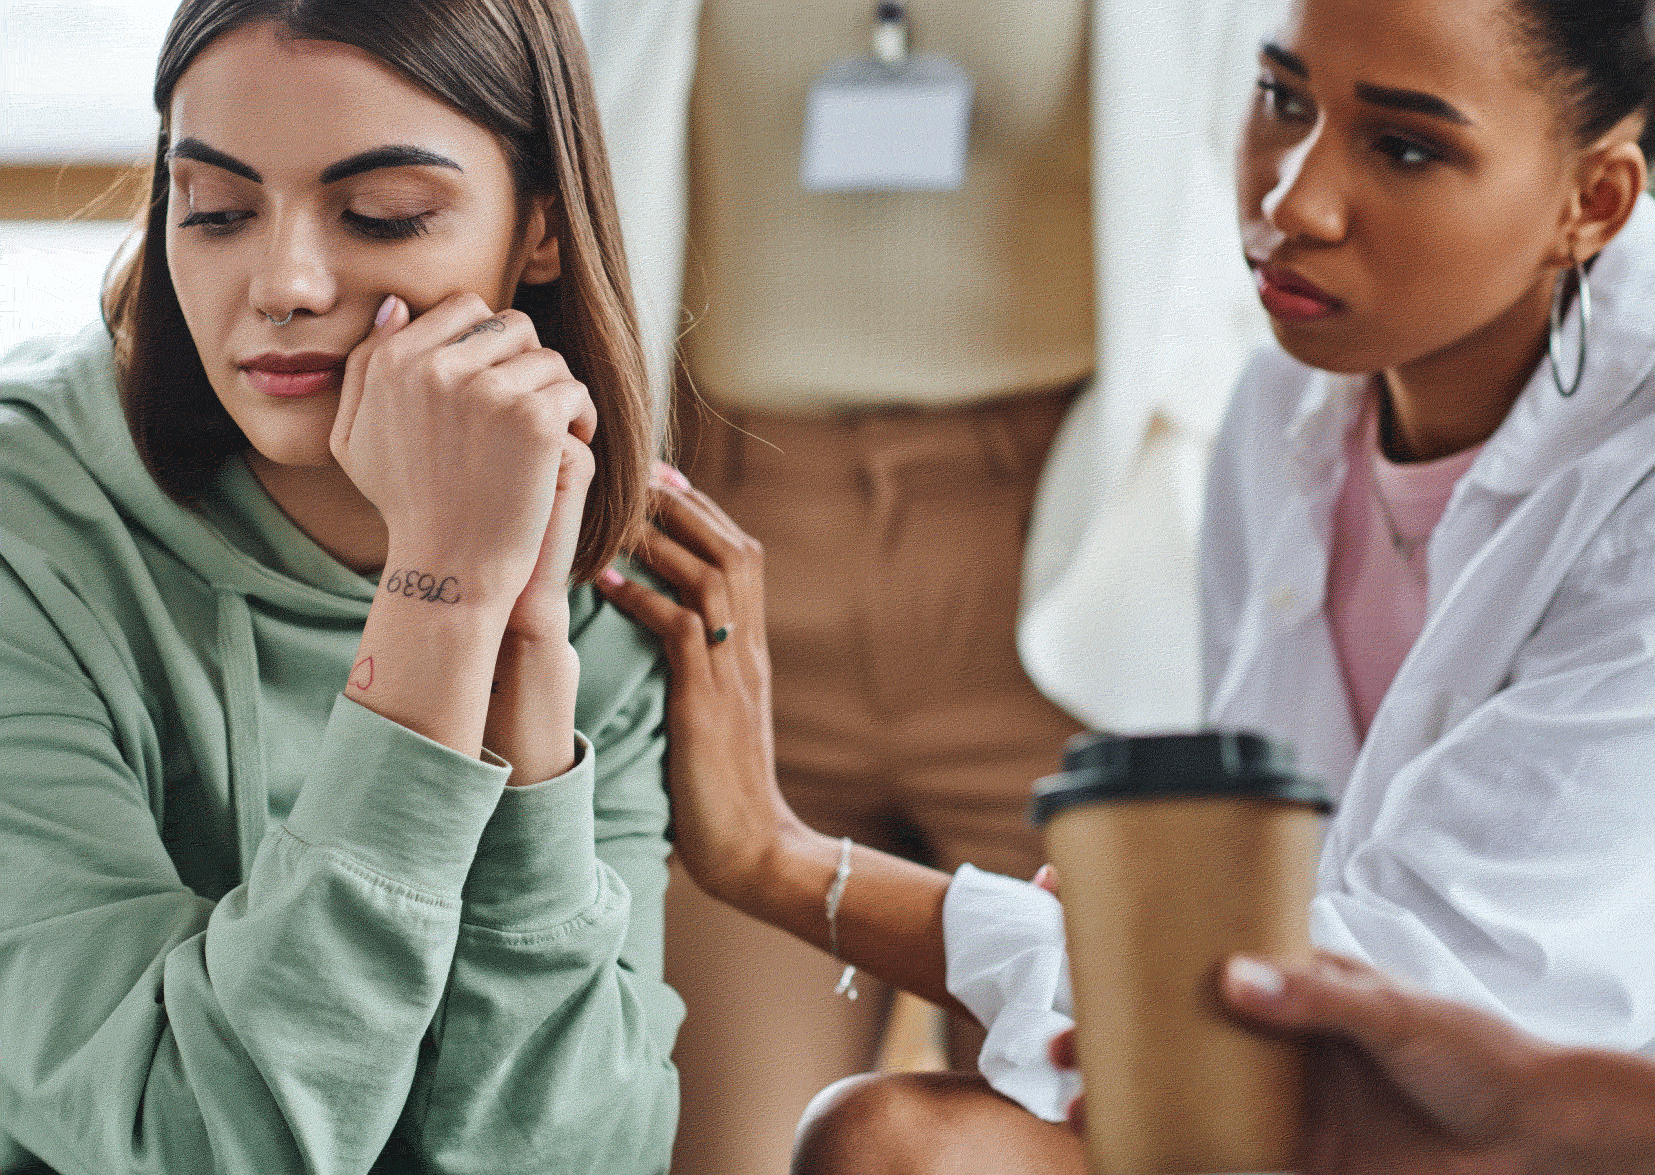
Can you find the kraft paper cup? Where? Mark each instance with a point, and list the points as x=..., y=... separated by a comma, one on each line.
x=1174, y=852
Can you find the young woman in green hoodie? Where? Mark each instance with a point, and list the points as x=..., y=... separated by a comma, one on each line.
x=331, y=819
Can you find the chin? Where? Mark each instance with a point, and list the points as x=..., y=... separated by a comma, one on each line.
x=293, y=434
x=294, y=451
x=1326, y=350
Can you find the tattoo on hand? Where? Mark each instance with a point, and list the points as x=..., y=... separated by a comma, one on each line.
x=484, y=327
x=362, y=674
x=422, y=585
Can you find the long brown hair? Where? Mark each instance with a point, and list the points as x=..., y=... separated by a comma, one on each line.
x=515, y=67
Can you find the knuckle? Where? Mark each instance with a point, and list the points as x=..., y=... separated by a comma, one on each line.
x=436, y=368
x=723, y=551
x=541, y=418
x=705, y=580
x=473, y=303
x=490, y=384
x=686, y=626
x=581, y=461
x=517, y=323
x=560, y=366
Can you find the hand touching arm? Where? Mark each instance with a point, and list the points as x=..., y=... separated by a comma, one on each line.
x=733, y=831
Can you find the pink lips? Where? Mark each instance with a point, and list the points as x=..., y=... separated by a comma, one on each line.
x=294, y=376
x=1291, y=298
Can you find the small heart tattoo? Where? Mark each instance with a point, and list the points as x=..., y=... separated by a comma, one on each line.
x=362, y=674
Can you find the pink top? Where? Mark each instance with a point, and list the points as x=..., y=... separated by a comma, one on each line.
x=1376, y=578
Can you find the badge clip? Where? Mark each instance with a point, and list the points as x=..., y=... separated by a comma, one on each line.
x=892, y=122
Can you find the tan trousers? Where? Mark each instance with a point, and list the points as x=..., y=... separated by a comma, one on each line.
x=893, y=544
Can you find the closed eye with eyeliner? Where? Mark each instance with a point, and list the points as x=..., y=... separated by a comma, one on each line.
x=227, y=219
x=384, y=228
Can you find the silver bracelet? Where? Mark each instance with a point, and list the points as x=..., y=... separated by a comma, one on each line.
x=835, y=894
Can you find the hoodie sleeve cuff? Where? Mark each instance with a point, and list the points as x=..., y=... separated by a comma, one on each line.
x=536, y=865
x=395, y=802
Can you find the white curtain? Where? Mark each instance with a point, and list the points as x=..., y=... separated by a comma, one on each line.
x=75, y=80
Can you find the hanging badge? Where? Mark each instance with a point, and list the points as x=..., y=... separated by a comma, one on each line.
x=892, y=123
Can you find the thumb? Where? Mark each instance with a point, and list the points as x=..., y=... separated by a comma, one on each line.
x=1333, y=995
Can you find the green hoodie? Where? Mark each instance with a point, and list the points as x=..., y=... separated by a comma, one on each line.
x=250, y=926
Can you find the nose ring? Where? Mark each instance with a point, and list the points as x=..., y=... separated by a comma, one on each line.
x=272, y=318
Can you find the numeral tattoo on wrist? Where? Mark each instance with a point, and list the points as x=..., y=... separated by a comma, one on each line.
x=422, y=585
x=484, y=327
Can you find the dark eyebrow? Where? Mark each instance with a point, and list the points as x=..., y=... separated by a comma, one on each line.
x=1412, y=101
x=199, y=151
x=1291, y=62
x=397, y=156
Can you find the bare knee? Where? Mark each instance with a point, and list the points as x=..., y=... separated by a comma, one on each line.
x=926, y=1124
x=868, y=1124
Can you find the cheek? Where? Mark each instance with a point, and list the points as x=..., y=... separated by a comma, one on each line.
x=436, y=269
x=472, y=251
x=202, y=288
x=1456, y=263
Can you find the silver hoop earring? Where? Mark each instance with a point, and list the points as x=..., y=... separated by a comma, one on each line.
x=1554, y=342
x=272, y=317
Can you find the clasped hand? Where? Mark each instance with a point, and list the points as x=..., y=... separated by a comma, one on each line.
x=473, y=442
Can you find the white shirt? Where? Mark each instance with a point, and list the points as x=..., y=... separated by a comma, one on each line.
x=1495, y=836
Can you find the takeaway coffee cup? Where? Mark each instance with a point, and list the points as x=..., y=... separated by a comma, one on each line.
x=1174, y=852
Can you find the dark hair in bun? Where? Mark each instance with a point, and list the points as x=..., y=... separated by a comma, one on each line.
x=1600, y=53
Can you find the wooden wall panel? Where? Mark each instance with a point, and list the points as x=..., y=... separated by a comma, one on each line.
x=59, y=193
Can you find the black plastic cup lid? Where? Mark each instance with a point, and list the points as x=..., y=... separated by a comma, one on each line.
x=1225, y=764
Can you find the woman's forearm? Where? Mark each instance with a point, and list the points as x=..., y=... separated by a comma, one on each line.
x=427, y=656
x=889, y=919
x=531, y=712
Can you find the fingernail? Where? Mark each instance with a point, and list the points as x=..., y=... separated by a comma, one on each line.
x=1254, y=977
x=385, y=308
x=609, y=577
x=1042, y=875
